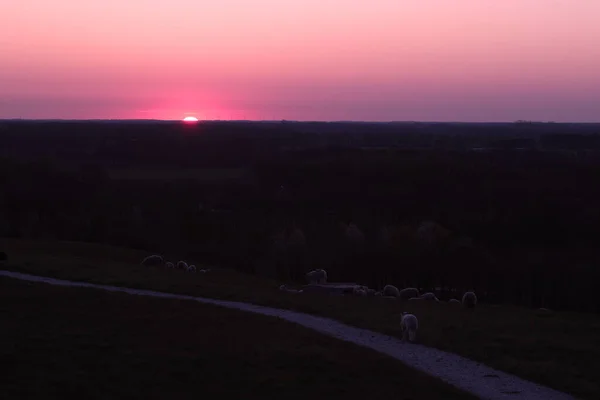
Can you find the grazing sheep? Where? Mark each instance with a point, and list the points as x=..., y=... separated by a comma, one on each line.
x=429, y=296
x=454, y=301
x=391, y=290
x=170, y=265
x=296, y=238
x=3, y=256
x=318, y=276
x=284, y=288
x=409, y=325
x=354, y=235
x=153, y=260
x=469, y=300
x=408, y=293
x=430, y=232
x=182, y=265
x=191, y=268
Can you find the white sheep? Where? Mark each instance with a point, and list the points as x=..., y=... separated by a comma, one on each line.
x=284, y=288
x=353, y=234
x=317, y=276
x=170, y=265
x=429, y=296
x=191, y=268
x=153, y=260
x=182, y=265
x=391, y=290
x=469, y=300
x=407, y=293
x=409, y=325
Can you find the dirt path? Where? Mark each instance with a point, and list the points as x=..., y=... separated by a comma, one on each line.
x=471, y=376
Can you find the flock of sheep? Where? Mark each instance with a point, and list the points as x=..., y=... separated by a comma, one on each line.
x=409, y=323
x=159, y=261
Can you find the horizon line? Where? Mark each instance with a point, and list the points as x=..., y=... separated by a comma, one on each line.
x=286, y=121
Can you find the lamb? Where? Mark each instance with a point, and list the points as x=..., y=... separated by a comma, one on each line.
x=391, y=290
x=409, y=325
x=317, y=276
x=469, y=300
x=408, y=293
x=429, y=296
x=170, y=265
x=153, y=260
x=182, y=265
x=191, y=268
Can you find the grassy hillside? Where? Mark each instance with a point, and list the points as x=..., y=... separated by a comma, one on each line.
x=107, y=345
x=561, y=350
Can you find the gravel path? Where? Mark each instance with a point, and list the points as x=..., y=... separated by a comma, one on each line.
x=465, y=374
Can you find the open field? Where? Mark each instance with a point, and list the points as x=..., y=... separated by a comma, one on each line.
x=107, y=345
x=560, y=350
x=205, y=175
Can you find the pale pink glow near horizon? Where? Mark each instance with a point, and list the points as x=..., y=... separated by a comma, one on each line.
x=429, y=60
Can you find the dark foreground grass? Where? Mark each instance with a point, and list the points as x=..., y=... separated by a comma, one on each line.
x=560, y=350
x=59, y=342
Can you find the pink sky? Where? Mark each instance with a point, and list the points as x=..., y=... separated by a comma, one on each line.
x=430, y=60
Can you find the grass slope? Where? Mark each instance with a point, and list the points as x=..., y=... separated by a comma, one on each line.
x=560, y=350
x=58, y=342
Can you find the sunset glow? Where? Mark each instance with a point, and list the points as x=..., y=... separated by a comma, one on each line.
x=466, y=60
x=190, y=119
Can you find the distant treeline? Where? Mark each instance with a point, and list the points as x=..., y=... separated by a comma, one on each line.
x=243, y=143
x=518, y=227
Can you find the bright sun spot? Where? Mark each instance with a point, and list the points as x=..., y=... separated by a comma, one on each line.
x=190, y=119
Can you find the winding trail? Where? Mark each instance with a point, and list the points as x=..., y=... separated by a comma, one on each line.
x=468, y=375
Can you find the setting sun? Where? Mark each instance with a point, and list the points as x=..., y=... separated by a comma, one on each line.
x=190, y=119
